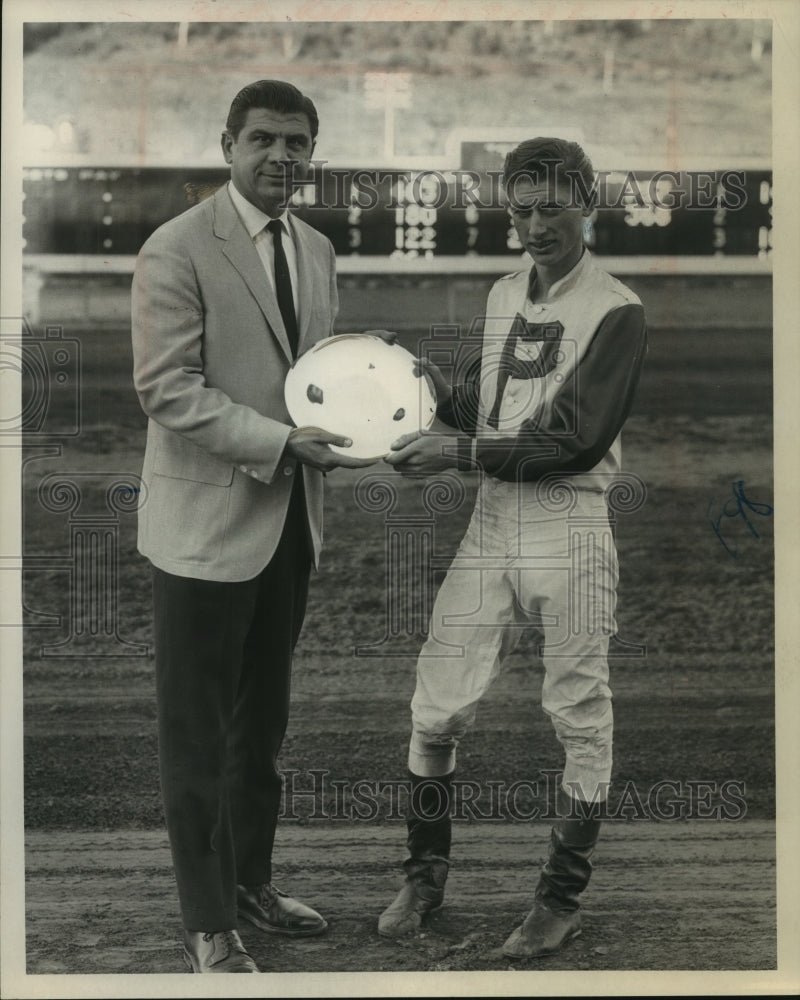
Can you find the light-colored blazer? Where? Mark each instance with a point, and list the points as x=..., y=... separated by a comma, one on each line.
x=210, y=359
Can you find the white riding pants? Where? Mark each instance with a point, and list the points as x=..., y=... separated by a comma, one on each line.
x=530, y=556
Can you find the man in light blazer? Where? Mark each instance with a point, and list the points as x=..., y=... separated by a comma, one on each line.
x=231, y=512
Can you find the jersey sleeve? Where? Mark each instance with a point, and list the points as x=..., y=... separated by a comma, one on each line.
x=587, y=413
x=461, y=409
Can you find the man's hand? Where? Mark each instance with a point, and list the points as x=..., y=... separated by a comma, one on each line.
x=421, y=454
x=310, y=445
x=387, y=335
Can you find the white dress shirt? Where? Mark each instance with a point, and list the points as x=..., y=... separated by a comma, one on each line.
x=255, y=222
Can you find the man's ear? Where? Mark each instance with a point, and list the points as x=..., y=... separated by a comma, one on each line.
x=226, y=141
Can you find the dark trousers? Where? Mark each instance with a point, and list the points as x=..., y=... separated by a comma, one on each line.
x=223, y=671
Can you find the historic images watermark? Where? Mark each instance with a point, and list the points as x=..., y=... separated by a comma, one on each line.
x=47, y=413
x=460, y=188
x=316, y=795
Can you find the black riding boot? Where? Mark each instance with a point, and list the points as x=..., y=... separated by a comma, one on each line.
x=555, y=917
x=429, y=834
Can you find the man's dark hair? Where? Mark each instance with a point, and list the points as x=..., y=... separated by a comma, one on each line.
x=275, y=95
x=545, y=157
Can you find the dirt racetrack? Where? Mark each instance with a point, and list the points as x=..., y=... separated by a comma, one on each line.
x=690, y=896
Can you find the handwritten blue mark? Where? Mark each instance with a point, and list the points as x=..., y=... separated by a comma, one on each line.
x=735, y=507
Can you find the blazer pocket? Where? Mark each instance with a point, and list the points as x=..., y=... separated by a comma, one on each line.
x=185, y=521
x=177, y=458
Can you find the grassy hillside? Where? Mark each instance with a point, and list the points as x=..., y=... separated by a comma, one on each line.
x=667, y=89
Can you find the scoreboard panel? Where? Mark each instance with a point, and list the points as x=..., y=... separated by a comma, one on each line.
x=408, y=213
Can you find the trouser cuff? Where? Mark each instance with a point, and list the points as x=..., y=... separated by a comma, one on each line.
x=209, y=922
x=431, y=764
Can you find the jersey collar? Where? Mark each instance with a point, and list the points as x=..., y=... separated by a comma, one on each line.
x=563, y=285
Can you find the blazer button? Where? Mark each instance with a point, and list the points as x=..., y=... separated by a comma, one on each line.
x=244, y=469
x=287, y=470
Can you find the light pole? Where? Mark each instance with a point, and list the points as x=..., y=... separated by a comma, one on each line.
x=387, y=91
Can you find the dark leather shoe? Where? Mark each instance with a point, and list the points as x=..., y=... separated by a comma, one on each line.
x=422, y=893
x=273, y=911
x=222, y=951
x=543, y=932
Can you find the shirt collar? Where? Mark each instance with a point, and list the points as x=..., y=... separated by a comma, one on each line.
x=253, y=218
x=569, y=279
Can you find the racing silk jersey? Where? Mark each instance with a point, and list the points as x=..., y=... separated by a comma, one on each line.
x=557, y=379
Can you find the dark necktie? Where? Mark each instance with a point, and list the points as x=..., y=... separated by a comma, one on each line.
x=283, y=284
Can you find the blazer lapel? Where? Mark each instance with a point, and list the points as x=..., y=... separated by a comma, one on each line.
x=239, y=249
x=305, y=278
